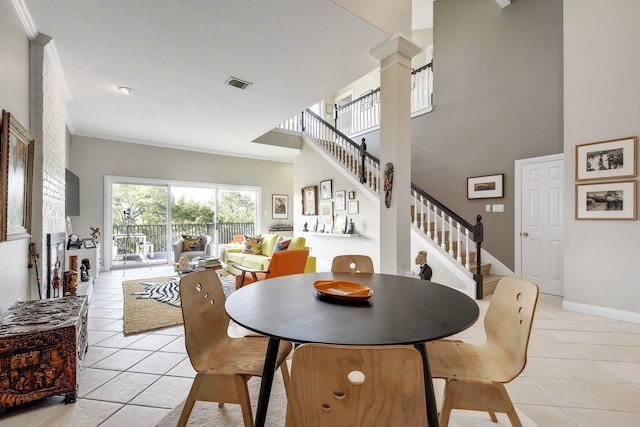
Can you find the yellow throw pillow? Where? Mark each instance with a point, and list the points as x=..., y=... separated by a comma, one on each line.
x=252, y=245
x=191, y=243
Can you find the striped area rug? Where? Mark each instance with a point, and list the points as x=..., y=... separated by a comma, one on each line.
x=154, y=303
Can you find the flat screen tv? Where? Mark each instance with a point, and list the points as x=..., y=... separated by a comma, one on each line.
x=72, y=196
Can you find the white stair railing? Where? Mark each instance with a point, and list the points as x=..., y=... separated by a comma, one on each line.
x=363, y=114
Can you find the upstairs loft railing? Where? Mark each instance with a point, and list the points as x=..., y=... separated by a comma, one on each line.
x=461, y=240
x=363, y=114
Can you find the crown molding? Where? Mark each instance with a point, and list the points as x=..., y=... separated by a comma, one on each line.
x=396, y=44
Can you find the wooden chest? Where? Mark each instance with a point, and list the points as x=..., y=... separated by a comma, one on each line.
x=41, y=345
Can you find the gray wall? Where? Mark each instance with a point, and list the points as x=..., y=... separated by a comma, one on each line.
x=14, y=97
x=497, y=98
x=92, y=158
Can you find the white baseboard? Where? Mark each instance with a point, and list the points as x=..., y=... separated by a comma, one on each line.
x=611, y=313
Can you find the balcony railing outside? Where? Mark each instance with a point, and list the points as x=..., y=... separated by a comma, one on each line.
x=156, y=233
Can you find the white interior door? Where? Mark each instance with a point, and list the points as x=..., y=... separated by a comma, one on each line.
x=539, y=228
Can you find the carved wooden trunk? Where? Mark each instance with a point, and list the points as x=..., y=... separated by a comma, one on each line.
x=41, y=345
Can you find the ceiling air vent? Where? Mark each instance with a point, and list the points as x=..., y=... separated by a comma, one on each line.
x=235, y=82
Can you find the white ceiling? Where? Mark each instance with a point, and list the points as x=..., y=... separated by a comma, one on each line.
x=178, y=55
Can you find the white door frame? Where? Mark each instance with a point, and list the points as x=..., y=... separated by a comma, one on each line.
x=517, y=221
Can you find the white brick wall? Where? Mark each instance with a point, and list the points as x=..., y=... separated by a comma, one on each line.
x=48, y=113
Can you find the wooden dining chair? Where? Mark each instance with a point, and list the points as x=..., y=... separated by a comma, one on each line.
x=475, y=375
x=282, y=263
x=352, y=264
x=356, y=386
x=223, y=364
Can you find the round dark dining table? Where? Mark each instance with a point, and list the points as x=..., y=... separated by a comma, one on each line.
x=402, y=311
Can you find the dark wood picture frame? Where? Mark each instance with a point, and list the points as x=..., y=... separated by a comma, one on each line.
x=485, y=187
x=16, y=184
x=310, y=200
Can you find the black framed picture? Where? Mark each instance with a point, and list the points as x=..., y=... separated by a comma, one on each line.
x=280, y=206
x=326, y=190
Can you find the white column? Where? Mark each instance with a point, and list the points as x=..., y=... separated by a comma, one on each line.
x=395, y=147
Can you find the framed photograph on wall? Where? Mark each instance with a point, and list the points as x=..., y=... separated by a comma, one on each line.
x=16, y=171
x=353, y=207
x=352, y=195
x=326, y=190
x=341, y=202
x=615, y=158
x=326, y=211
x=606, y=200
x=280, y=206
x=309, y=198
x=485, y=187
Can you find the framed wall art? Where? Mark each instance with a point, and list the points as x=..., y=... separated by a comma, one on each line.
x=280, y=206
x=485, y=187
x=615, y=158
x=353, y=207
x=341, y=202
x=309, y=198
x=606, y=200
x=16, y=156
x=326, y=211
x=326, y=190
x=352, y=195
x=340, y=224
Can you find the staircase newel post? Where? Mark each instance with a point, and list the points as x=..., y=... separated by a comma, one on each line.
x=363, y=150
x=478, y=230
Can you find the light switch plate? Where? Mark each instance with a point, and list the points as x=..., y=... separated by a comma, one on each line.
x=488, y=208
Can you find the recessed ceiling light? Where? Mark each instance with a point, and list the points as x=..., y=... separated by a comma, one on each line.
x=236, y=82
x=126, y=90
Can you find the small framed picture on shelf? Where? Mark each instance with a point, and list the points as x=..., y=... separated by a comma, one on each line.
x=341, y=202
x=340, y=224
x=88, y=243
x=326, y=190
x=313, y=224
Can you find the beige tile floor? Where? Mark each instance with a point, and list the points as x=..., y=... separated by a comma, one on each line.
x=582, y=370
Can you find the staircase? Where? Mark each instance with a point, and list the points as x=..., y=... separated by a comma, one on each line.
x=446, y=234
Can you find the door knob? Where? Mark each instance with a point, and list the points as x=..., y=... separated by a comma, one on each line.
x=525, y=234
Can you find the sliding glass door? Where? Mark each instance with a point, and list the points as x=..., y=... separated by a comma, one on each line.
x=145, y=217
